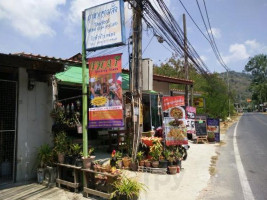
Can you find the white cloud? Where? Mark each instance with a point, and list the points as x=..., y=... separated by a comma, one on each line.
x=30, y=17
x=203, y=58
x=237, y=52
x=253, y=44
x=216, y=32
x=245, y=50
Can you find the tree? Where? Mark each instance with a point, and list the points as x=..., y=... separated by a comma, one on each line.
x=257, y=66
x=213, y=87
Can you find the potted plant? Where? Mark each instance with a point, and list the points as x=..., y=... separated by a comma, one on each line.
x=163, y=163
x=178, y=157
x=155, y=151
x=127, y=189
x=44, y=159
x=211, y=136
x=76, y=153
x=172, y=169
x=61, y=145
x=140, y=158
x=87, y=161
x=118, y=157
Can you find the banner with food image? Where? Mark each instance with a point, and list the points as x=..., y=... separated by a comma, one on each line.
x=174, y=120
x=175, y=131
x=105, y=88
x=213, y=125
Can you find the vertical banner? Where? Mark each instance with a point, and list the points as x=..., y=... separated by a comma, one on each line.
x=174, y=120
x=190, y=120
x=105, y=92
x=213, y=125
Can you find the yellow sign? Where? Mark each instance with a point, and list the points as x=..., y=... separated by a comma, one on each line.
x=199, y=102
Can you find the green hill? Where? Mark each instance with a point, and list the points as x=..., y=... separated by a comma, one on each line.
x=239, y=85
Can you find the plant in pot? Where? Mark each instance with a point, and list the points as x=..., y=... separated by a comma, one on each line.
x=118, y=158
x=44, y=159
x=211, y=137
x=171, y=168
x=178, y=157
x=87, y=161
x=140, y=158
x=127, y=189
x=61, y=145
x=155, y=151
x=76, y=153
x=163, y=163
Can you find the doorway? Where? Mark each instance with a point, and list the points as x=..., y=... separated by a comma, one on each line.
x=8, y=126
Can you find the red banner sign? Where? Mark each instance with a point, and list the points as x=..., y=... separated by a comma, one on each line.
x=169, y=102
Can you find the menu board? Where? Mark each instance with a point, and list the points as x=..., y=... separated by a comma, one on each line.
x=213, y=125
x=201, y=125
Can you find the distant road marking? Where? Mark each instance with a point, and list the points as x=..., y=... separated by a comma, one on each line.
x=247, y=192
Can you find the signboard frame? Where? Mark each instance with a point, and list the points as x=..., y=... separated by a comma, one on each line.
x=213, y=125
x=100, y=36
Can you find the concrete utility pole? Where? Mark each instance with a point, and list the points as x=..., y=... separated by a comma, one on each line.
x=84, y=91
x=186, y=63
x=136, y=75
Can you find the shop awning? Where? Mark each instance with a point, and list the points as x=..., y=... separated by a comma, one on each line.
x=73, y=75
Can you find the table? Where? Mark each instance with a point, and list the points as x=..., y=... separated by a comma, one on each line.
x=60, y=181
x=95, y=189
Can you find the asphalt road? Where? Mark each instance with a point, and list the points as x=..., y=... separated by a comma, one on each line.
x=242, y=162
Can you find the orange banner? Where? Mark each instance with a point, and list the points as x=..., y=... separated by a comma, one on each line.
x=105, y=65
x=105, y=115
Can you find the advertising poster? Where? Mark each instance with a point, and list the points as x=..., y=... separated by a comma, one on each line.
x=104, y=25
x=174, y=121
x=190, y=121
x=213, y=125
x=105, y=92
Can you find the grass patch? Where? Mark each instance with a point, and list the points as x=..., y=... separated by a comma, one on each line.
x=212, y=171
x=212, y=168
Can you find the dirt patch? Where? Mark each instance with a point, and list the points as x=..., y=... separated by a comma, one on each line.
x=213, y=162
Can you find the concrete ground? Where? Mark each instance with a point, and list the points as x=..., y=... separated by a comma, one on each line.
x=188, y=184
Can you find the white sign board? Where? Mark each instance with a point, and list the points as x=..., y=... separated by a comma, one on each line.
x=104, y=25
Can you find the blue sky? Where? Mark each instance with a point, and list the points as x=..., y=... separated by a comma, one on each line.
x=53, y=28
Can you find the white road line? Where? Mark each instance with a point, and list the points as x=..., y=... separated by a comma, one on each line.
x=248, y=195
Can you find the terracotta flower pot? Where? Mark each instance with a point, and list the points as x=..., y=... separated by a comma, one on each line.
x=155, y=163
x=61, y=157
x=141, y=163
x=87, y=162
x=147, y=163
x=172, y=169
x=126, y=162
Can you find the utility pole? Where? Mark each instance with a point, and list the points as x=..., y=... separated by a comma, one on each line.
x=228, y=84
x=186, y=63
x=136, y=75
x=84, y=90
